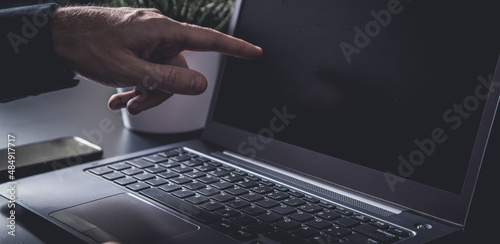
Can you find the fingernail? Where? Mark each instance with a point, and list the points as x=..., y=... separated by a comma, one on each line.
x=198, y=84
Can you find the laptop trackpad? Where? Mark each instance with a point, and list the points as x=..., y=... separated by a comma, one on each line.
x=123, y=218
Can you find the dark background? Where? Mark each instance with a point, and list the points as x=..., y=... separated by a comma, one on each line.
x=44, y=117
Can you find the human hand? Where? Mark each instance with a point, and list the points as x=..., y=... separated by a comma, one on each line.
x=124, y=47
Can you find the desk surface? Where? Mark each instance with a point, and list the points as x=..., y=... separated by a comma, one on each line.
x=79, y=111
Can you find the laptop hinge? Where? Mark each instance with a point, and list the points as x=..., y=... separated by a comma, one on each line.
x=336, y=192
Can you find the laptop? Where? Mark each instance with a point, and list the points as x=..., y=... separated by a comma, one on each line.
x=363, y=122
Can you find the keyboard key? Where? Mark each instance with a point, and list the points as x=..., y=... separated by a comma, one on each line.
x=287, y=224
x=168, y=175
x=157, y=181
x=319, y=224
x=195, y=174
x=254, y=178
x=120, y=166
x=243, y=220
x=170, y=187
x=192, y=163
x=212, y=206
x=228, y=213
x=247, y=184
x=268, y=203
x=222, y=197
x=361, y=218
x=170, y=164
x=180, y=158
x=301, y=216
x=305, y=232
x=281, y=188
x=144, y=176
x=180, y=205
x=262, y=189
x=194, y=185
x=293, y=201
x=327, y=205
x=169, y=154
x=183, y=193
x=156, y=169
x=337, y=231
x=236, y=191
x=219, y=172
x=222, y=185
x=347, y=222
x=155, y=158
x=208, y=191
x=101, y=170
x=140, y=163
x=132, y=171
x=277, y=195
x=232, y=178
x=296, y=194
x=344, y=211
x=238, y=203
x=310, y=208
x=180, y=180
x=328, y=215
x=208, y=179
x=113, y=176
x=270, y=217
x=206, y=167
x=266, y=183
x=376, y=233
x=400, y=232
x=311, y=199
x=251, y=197
x=125, y=181
x=227, y=168
x=182, y=169
x=380, y=224
x=243, y=235
x=198, y=199
x=253, y=210
x=137, y=186
x=284, y=209
x=225, y=226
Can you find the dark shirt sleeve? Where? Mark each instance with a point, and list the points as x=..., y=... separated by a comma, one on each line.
x=28, y=63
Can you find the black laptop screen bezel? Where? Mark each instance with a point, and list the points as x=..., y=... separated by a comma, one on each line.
x=409, y=194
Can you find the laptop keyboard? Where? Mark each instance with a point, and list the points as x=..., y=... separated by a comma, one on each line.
x=242, y=205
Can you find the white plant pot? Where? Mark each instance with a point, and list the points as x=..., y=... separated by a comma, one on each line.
x=179, y=113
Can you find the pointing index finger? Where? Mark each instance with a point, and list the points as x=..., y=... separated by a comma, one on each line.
x=198, y=38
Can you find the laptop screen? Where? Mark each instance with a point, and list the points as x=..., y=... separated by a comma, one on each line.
x=396, y=86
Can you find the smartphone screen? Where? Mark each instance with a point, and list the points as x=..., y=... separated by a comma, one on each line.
x=48, y=155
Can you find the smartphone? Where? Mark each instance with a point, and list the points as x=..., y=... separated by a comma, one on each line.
x=34, y=158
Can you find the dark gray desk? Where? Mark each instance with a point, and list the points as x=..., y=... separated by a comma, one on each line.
x=78, y=112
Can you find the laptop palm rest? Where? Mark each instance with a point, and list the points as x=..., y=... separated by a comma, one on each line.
x=123, y=218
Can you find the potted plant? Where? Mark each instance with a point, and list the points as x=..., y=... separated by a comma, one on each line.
x=214, y=14
x=181, y=113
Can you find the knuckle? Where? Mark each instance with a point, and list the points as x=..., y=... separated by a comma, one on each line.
x=170, y=77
